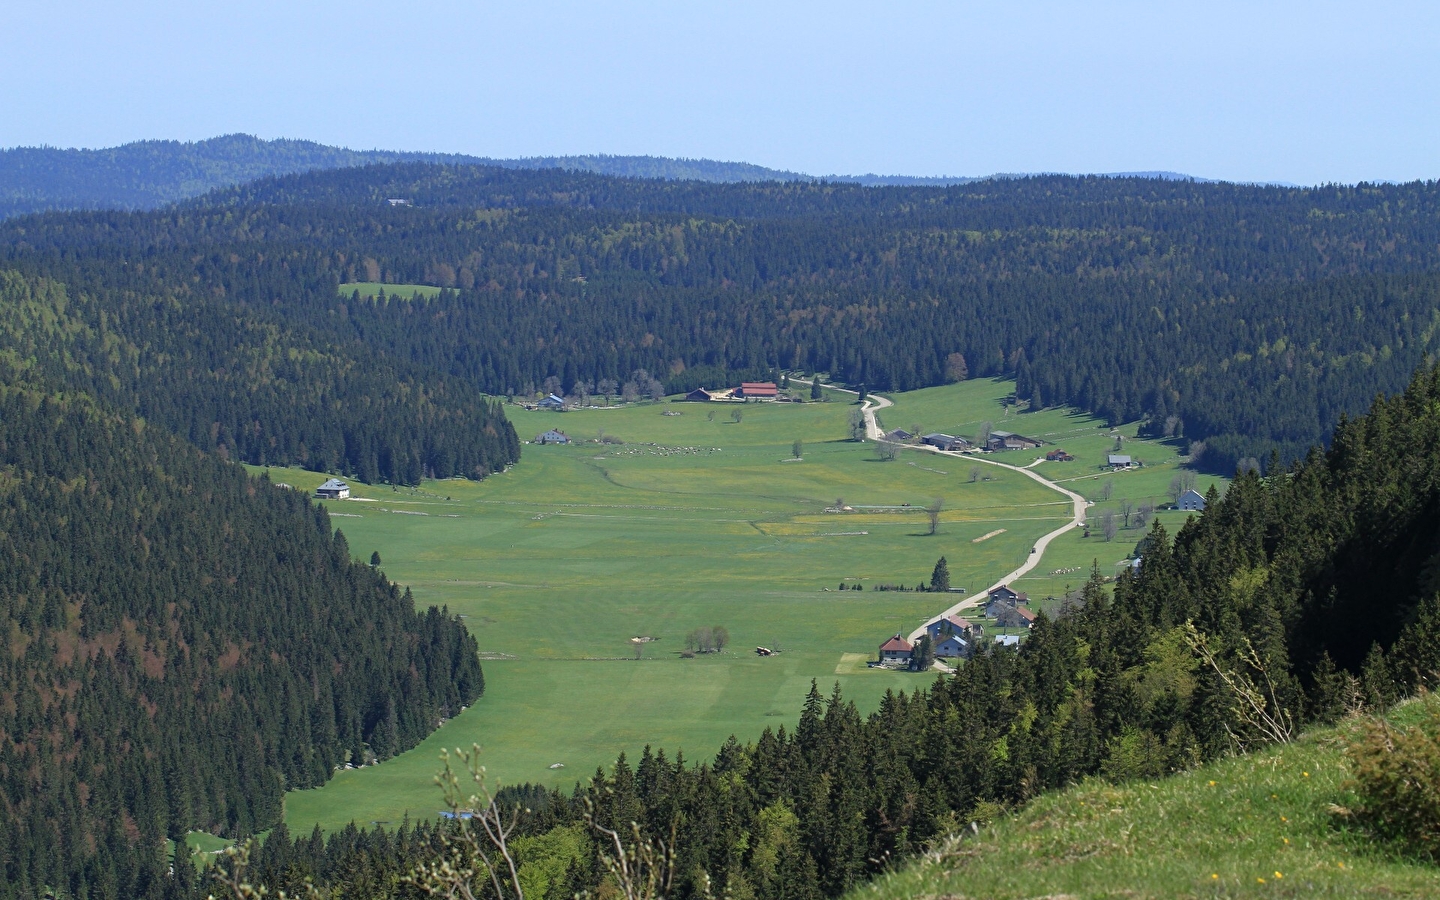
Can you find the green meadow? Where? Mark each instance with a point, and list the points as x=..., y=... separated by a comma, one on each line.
x=697, y=520
x=369, y=290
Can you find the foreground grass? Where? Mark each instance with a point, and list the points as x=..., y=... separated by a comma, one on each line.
x=1254, y=826
x=696, y=520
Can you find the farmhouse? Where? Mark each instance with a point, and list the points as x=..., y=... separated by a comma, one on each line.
x=1007, y=440
x=552, y=437
x=898, y=436
x=897, y=649
x=1004, y=594
x=1119, y=461
x=1058, y=455
x=552, y=402
x=947, y=626
x=1192, y=500
x=1014, y=617
x=952, y=646
x=700, y=395
x=334, y=489
x=757, y=390
x=945, y=442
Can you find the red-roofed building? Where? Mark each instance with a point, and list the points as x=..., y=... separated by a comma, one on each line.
x=897, y=649
x=758, y=390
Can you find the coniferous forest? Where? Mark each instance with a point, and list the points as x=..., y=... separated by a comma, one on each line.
x=1211, y=311
x=183, y=643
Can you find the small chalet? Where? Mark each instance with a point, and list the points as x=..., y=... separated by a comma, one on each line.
x=945, y=442
x=948, y=625
x=1192, y=500
x=700, y=395
x=552, y=437
x=897, y=649
x=552, y=402
x=1015, y=617
x=1007, y=440
x=334, y=489
x=1058, y=455
x=952, y=646
x=1119, y=461
x=758, y=390
x=898, y=436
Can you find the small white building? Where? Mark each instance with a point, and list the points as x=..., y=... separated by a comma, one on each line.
x=1192, y=500
x=334, y=489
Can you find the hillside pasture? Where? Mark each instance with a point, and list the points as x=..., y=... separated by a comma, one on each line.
x=369, y=290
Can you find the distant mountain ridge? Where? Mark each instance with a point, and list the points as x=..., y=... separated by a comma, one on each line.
x=150, y=174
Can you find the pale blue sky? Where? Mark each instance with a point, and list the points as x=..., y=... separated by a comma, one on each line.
x=1295, y=91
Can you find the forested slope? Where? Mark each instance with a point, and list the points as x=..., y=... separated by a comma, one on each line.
x=245, y=382
x=1316, y=587
x=1212, y=311
x=182, y=643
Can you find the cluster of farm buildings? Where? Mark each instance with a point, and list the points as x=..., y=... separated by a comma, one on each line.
x=953, y=637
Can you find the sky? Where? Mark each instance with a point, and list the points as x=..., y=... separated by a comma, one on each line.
x=1303, y=92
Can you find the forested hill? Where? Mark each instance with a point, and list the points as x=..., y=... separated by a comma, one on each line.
x=1211, y=311
x=1313, y=592
x=182, y=643
x=148, y=174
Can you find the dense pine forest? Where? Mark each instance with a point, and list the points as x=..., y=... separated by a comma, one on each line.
x=1316, y=586
x=183, y=643
x=1211, y=311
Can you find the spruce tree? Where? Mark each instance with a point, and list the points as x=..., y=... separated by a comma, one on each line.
x=940, y=577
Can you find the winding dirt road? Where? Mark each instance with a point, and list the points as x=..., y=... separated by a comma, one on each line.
x=874, y=403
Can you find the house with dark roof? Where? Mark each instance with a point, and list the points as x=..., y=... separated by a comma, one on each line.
x=1003, y=592
x=757, y=390
x=1014, y=617
x=552, y=437
x=945, y=441
x=334, y=489
x=1008, y=440
x=952, y=646
x=1119, y=461
x=896, y=650
x=947, y=625
x=898, y=436
x=1058, y=455
x=700, y=395
x=553, y=401
x=1191, y=500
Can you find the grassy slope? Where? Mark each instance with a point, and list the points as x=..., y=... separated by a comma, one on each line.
x=369, y=290
x=579, y=548
x=1255, y=826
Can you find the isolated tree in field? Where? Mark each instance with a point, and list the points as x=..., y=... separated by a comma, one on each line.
x=1107, y=490
x=375, y=558
x=607, y=388
x=940, y=577
x=721, y=637
x=797, y=449
x=857, y=425
x=816, y=392
x=1119, y=442
x=933, y=511
x=1182, y=482
x=1144, y=514
x=974, y=474
x=710, y=416
x=864, y=394
x=1108, y=526
x=955, y=367
x=737, y=416
x=887, y=450
x=630, y=392
x=1126, y=508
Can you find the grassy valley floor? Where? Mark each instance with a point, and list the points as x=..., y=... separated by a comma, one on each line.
x=697, y=520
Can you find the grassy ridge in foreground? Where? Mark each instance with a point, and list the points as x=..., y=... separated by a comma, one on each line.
x=1253, y=826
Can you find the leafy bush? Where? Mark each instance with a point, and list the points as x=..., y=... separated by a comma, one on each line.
x=1397, y=778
